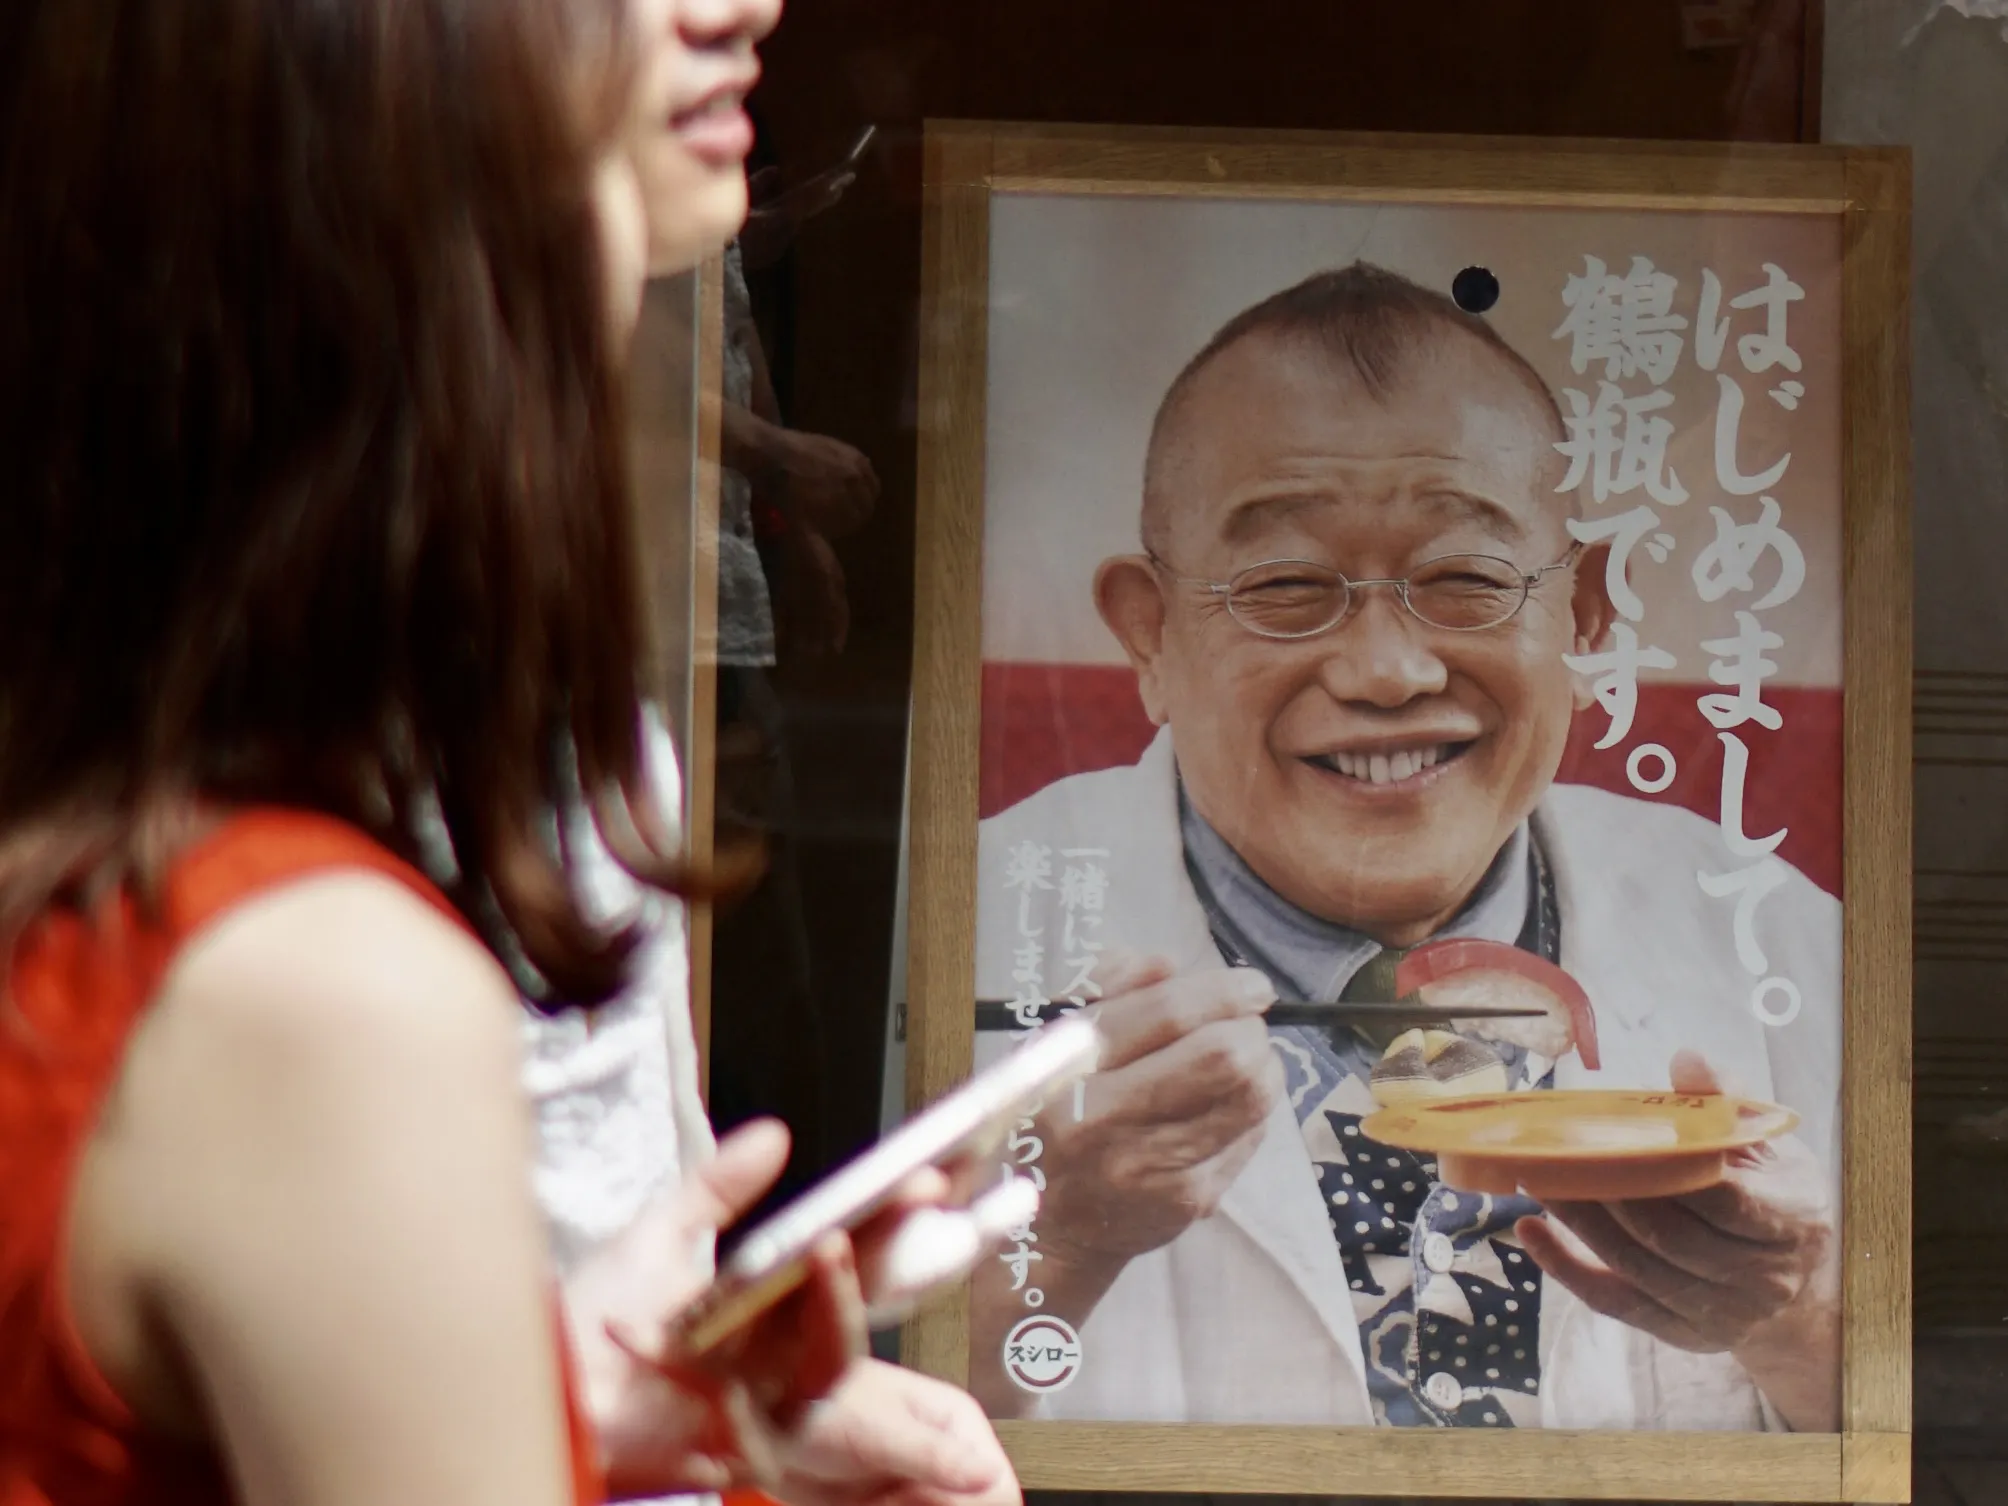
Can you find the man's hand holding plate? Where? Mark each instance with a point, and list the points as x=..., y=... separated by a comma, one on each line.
x=1749, y=1267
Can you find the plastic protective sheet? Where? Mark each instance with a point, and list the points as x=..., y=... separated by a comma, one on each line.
x=808, y=982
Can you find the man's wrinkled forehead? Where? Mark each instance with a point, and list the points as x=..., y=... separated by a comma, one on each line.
x=1459, y=428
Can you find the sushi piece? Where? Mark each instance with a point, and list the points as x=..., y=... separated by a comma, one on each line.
x=1422, y=1064
x=1445, y=974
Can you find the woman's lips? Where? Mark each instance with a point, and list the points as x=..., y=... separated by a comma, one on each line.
x=1398, y=768
x=718, y=132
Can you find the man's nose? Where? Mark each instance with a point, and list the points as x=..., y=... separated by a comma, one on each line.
x=710, y=23
x=1381, y=654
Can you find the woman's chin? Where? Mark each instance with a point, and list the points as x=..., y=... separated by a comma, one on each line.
x=697, y=226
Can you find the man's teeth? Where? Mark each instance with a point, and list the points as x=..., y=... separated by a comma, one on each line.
x=1389, y=768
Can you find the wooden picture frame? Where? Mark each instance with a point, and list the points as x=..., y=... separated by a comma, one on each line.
x=1866, y=193
x=675, y=431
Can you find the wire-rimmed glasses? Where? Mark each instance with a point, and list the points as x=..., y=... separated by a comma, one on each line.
x=1459, y=593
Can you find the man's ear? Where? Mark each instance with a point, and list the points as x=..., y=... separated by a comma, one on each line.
x=1592, y=610
x=1131, y=601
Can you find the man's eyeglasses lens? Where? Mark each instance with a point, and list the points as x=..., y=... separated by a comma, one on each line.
x=1294, y=599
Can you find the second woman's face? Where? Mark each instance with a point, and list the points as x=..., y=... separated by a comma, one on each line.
x=677, y=194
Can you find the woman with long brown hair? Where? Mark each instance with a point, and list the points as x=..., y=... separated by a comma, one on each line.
x=315, y=524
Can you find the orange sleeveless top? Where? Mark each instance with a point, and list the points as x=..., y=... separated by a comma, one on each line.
x=77, y=990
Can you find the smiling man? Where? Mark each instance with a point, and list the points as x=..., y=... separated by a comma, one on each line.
x=1349, y=618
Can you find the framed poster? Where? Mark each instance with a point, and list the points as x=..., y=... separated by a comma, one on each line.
x=1429, y=574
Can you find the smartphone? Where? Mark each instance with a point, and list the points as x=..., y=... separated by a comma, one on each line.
x=972, y=1121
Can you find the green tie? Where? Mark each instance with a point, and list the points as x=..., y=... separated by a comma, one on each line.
x=1374, y=984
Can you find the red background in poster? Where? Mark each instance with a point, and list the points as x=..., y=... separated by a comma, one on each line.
x=1042, y=722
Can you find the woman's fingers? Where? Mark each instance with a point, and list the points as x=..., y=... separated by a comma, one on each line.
x=722, y=1189
x=804, y=1347
x=923, y=1189
x=885, y=1423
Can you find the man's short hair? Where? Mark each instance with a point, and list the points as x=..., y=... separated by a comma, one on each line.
x=1370, y=320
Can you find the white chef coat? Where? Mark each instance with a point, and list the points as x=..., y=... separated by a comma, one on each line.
x=1246, y=1316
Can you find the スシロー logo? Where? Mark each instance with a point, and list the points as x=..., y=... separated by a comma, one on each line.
x=1042, y=1354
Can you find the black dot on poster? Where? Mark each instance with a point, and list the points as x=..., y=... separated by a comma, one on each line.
x=1475, y=289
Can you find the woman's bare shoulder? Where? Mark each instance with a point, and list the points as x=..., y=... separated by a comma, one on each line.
x=320, y=1113
x=341, y=1002
x=335, y=1013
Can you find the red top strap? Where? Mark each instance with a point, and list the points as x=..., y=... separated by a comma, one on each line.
x=262, y=849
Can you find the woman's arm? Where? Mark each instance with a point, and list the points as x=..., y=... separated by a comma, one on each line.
x=310, y=1197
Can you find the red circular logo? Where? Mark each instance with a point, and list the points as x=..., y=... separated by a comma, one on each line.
x=1042, y=1354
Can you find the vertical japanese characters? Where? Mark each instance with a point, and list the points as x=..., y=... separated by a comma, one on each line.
x=1624, y=328
x=1081, y=889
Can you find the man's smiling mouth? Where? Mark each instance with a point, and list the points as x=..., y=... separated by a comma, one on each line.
x=1389, y=765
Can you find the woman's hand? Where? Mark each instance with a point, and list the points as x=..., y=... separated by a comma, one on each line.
x=888, y=1435
x=825, y=484
x=826, y=1421
x=812, y=607
x=661, y=1436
